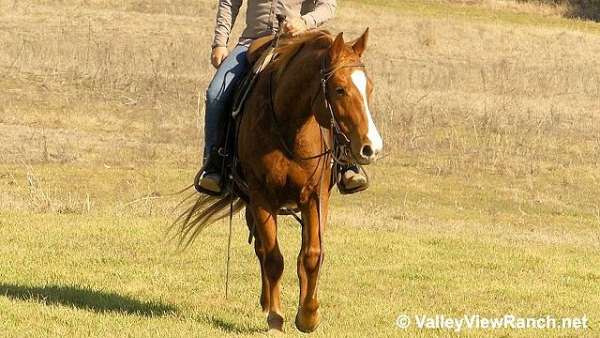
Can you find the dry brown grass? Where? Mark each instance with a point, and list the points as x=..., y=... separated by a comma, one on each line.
x=535, y=7
x=482, y=97
x=442, y=87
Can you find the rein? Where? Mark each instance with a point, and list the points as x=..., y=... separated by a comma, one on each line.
x=277, y=131
x=341, y=141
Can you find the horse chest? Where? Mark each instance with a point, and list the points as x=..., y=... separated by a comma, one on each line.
x=268, y=167
x=285, y=177
x=275, y=171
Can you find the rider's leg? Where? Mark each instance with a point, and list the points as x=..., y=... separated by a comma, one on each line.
x=218, y=97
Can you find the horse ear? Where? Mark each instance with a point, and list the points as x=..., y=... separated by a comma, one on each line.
x=337, y=47
x=360, y=45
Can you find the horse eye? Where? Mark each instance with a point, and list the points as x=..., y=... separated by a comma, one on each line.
x=340, y=91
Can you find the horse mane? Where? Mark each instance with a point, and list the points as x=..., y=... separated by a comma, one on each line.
x=289, y=47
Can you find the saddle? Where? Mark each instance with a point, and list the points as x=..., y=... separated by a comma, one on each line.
x=257, y=47
x=259, y=55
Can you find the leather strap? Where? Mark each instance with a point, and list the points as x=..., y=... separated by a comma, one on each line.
x=272, y=14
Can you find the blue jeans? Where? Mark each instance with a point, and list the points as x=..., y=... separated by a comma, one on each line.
x=219, y=95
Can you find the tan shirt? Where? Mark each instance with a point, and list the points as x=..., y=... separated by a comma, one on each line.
x=261, y=16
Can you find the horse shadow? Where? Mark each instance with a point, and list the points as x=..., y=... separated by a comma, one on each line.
x=103, y=302
x=228, y=326
x=86, y=299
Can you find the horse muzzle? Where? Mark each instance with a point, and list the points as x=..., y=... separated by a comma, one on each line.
x=368, y=153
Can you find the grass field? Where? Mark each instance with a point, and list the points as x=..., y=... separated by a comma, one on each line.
x=486, y=202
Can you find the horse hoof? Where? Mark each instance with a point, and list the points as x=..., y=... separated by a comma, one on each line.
x=307, y=322
x=275, y=322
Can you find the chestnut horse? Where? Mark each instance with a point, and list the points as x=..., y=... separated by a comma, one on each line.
x=315, y=91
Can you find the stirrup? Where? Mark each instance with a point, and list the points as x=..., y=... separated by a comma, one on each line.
x=202, y=190
x=211, y=166
x=345, y=191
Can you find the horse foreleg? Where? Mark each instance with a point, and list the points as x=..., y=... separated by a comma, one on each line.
x=309, y=263
x=267, y=249
x=260, y=254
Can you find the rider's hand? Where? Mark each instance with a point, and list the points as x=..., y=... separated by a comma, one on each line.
x=218, y=55
x=295, y=26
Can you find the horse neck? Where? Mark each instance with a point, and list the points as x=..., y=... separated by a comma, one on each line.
x=296, y=90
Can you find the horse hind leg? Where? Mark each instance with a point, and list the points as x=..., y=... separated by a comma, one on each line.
x=271, y=265
x=260, y=254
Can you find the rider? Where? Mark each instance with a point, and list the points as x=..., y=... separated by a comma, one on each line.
x=232, y=66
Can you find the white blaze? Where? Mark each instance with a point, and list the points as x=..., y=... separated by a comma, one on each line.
x=359, y=78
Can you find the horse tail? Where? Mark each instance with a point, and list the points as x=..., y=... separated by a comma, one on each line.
x=202, y=212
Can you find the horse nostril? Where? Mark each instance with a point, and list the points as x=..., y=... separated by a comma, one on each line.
x=366, y=151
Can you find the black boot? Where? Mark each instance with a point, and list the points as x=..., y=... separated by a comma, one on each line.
x=353, y=179
x=209, y=179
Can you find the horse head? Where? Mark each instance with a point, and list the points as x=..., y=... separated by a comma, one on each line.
x=348, y=90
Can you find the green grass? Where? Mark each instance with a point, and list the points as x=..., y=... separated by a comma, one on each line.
x=487, y=201
x=442, y=9
x=112, y=272
x=130, y=283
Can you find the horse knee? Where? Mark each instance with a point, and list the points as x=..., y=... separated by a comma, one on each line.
x=312, y=258
x=259, y=250
x=274, y=264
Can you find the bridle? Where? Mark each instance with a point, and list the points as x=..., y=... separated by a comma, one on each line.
x=340, y=145
x=341, y=142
